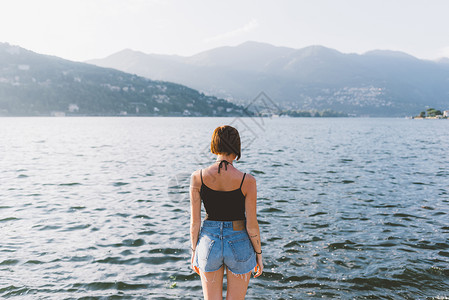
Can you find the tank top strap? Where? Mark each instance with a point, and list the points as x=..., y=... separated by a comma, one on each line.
x=242, y=180
x=201, y=175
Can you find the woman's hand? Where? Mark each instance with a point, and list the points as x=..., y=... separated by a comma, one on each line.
x=259, y=265
x=191, y=264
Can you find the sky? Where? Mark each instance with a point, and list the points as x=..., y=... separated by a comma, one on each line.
x=86, y=29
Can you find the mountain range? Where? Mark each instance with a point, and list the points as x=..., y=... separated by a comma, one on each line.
x=376, y=83
x=41, y=85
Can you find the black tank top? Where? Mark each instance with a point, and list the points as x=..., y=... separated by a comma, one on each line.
x=223, y=205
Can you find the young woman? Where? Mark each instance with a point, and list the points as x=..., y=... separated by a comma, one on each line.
x=229, y=236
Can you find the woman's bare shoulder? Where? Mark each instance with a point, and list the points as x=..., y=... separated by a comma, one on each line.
x=249, y=181
x=250, y=178
x=195, y=176
x=196, y=173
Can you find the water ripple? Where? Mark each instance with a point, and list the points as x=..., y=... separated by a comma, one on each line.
x=98, y=208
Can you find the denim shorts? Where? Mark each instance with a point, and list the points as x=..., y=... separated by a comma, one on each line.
x=218, y=244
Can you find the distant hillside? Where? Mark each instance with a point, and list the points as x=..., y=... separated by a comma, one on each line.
x=35, y=84
x=377, y=83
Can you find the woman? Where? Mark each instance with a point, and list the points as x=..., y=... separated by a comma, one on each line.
x=229, y=236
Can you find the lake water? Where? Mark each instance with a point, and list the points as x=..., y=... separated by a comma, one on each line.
x=348, y=208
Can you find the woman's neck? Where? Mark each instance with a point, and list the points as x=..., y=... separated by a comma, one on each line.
x=228, y=158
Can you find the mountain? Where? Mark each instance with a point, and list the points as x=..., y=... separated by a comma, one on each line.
x=36, y=84
x=443, y=60
x=376, y=83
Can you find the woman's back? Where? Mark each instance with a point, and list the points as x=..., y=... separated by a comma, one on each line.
x=223, y=181
x=222, y=196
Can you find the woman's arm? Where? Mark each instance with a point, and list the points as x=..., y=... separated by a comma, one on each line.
x=195, y=208
x=252, y=226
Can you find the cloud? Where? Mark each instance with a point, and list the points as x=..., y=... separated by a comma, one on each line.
x=443, y=52
x=250, y=26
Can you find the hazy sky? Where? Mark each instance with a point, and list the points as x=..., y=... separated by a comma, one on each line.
x=86, y=29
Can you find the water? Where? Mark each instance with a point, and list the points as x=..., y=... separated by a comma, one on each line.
x=348, y=208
